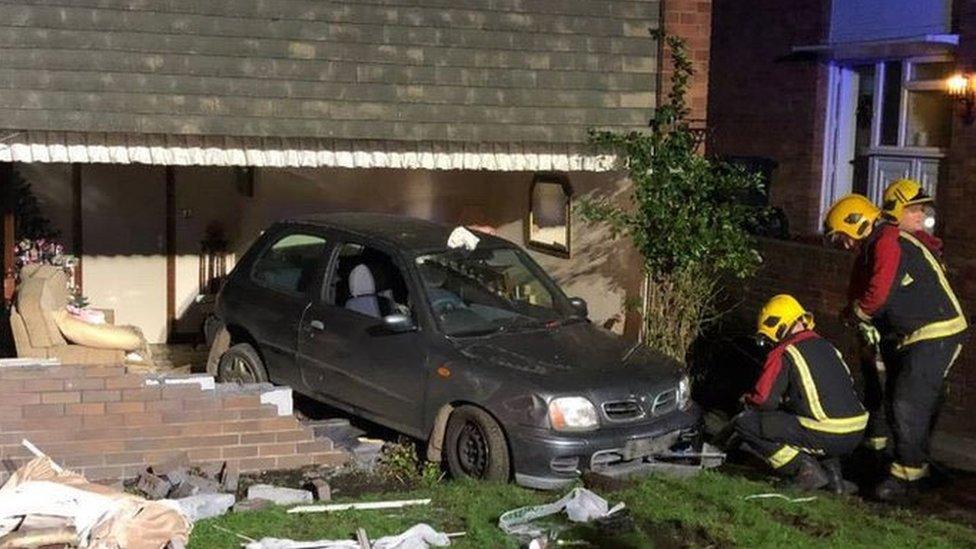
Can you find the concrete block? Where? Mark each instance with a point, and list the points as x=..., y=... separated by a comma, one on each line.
x=153, y=486
x=205, y=506
x=321, y=489
x=279, y=495
x=246, y=505
x=231, y=476
x=281, y=397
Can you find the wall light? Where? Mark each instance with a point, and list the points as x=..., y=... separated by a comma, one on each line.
x=962, y=87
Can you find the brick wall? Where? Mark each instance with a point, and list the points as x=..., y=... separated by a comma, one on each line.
x=692, y=21
x=763, y=102
x=109, y=425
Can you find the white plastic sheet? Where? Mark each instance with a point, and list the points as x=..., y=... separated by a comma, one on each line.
x=419, y=536
x=581, y=505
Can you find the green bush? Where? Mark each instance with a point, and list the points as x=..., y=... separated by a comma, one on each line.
x=686, y=215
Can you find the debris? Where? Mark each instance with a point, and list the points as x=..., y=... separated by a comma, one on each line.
x=358, y=506
x=462, y=238
x=233, y=533
x=212, y=470
x=203, y=506
x=321, y=489
x=184, y=490
x=231, y=476
x=251, y=505
x=418, y=536
x=362, y=538
x=152, y=486
x=39, y=454
x=581, y=505
x=100, y=516
x=774, y=495
x=279, y=495
x=174, y=464
x=39, y=538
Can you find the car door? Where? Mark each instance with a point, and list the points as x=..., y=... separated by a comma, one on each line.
x=349, y=358
x=278, y=292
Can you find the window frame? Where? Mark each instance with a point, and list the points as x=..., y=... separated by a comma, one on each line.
x=278, y=237
x=550, y=178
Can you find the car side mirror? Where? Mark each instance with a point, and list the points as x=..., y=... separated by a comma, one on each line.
x=398, y=323
x=579, y=305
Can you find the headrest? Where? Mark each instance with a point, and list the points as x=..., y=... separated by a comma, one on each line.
x=361, y=281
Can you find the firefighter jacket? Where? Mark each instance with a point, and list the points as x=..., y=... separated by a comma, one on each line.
x=900, y=285
x=806, y=376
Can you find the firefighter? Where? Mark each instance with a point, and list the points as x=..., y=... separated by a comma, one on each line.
x=904, y=203
x=899, y=286
x=804, y=403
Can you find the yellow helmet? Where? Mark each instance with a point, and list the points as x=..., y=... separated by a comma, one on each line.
x=778, y=315
x=852, y=215
x=901, y=193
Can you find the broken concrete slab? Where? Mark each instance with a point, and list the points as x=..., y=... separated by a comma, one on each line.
x=231, y=476
x=212, y=470
x=251, y=505
x=203, y=506
x=177, y=461
x=195, y=484
x=321, y=489
x=279, y=495
x=183, y=490
x=153, y=486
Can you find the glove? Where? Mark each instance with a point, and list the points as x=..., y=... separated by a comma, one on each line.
x=869, y=334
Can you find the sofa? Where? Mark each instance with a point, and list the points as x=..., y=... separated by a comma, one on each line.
x=39, y=308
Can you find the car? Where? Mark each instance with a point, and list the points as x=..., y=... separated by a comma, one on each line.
x=475, y=351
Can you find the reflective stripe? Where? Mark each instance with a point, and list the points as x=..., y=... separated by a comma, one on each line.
x=876, y=443
x=905, y=472
x=943, y=328
x=836, y=425
x=952, y=361
x=809, y=387
x=783, y=456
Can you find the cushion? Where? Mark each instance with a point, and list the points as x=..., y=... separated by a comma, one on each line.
x=29, y=305
x=99, y=336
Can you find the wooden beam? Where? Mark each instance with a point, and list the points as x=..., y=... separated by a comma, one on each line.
x=77, y=226
x=170, y=251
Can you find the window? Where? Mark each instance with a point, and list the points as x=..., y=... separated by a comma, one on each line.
x=367, y=281
x=549, y=210
x=289, y=264
x=886, y=120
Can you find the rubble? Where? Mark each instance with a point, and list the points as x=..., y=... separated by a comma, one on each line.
x=321, y=489
x=419, y=536
x=580, y=505
x=152, y=486
x=279, y=495
x=251, y=505
x=203, y=506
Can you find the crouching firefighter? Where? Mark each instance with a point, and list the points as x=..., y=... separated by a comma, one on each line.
x=803, y=414
x=899, y=286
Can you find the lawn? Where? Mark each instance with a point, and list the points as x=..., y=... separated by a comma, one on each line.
x=708, y=510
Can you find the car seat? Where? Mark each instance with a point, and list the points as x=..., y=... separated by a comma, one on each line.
x=362, y=292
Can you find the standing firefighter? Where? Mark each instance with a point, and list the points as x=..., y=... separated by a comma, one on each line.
x=905, y=204
x=804, y=403
x=899, y=286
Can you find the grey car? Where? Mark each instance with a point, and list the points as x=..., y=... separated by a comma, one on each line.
x=475, y=351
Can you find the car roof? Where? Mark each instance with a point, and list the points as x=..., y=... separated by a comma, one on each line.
x=403, y=232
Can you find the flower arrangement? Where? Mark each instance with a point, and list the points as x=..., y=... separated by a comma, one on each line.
x=40, y=251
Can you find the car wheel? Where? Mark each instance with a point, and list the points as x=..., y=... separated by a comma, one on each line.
x=476, y=446
x=241, y=364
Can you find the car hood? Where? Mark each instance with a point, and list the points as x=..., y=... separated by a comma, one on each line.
x=574, y=357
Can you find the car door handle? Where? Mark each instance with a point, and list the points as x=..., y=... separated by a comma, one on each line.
x=316, y=325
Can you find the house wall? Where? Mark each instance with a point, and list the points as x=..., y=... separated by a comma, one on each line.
x=765, y=105
x=124, y=261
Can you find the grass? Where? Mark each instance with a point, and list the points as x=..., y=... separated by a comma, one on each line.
x=708, y=510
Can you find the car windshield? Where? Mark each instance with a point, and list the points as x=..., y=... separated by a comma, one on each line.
x=486, y=291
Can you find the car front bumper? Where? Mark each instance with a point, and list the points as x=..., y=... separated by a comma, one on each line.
x=548, y=460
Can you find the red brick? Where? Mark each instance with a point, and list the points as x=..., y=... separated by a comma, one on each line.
x=276, y=449
x=165, y=405
x=125, y=382
x=241, y=401
x=264, y=411
x=258, y=438
x=239, y=451
x=293, y=461
x=101, y=396
x=142, y=394
x=43, y=410
x=125, y=407
x=104, y=371
x=183, y=392
x=83, y=460
x=10, y=412
x=103, y=473
x=314, y=446
x=22, y=398
x=257, y=464
x=101, y=422
x=145, y=418
x=84, y=384
x=293, y=436
x=204, y=454
x=201, y=404
x=43, y=385
x=85, y=409
x=63, y=397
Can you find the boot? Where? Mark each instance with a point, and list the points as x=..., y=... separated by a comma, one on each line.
x=836, y=482
x=895, y=490
x=809, y=474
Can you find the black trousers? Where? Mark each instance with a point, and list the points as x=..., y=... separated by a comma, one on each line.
x=778, y=437
x=914, y=396
x=876, y=384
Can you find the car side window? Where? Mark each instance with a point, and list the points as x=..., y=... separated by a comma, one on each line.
x=289, y=264
x=366, y=281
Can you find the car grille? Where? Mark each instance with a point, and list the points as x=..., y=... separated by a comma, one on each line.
x=622, y=410
x=664, y=402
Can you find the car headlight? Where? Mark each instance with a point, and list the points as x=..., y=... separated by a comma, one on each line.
x=572, y=414
x=684, y=393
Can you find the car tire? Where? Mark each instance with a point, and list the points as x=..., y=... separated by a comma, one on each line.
x=476, y=446
x=241, y=364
